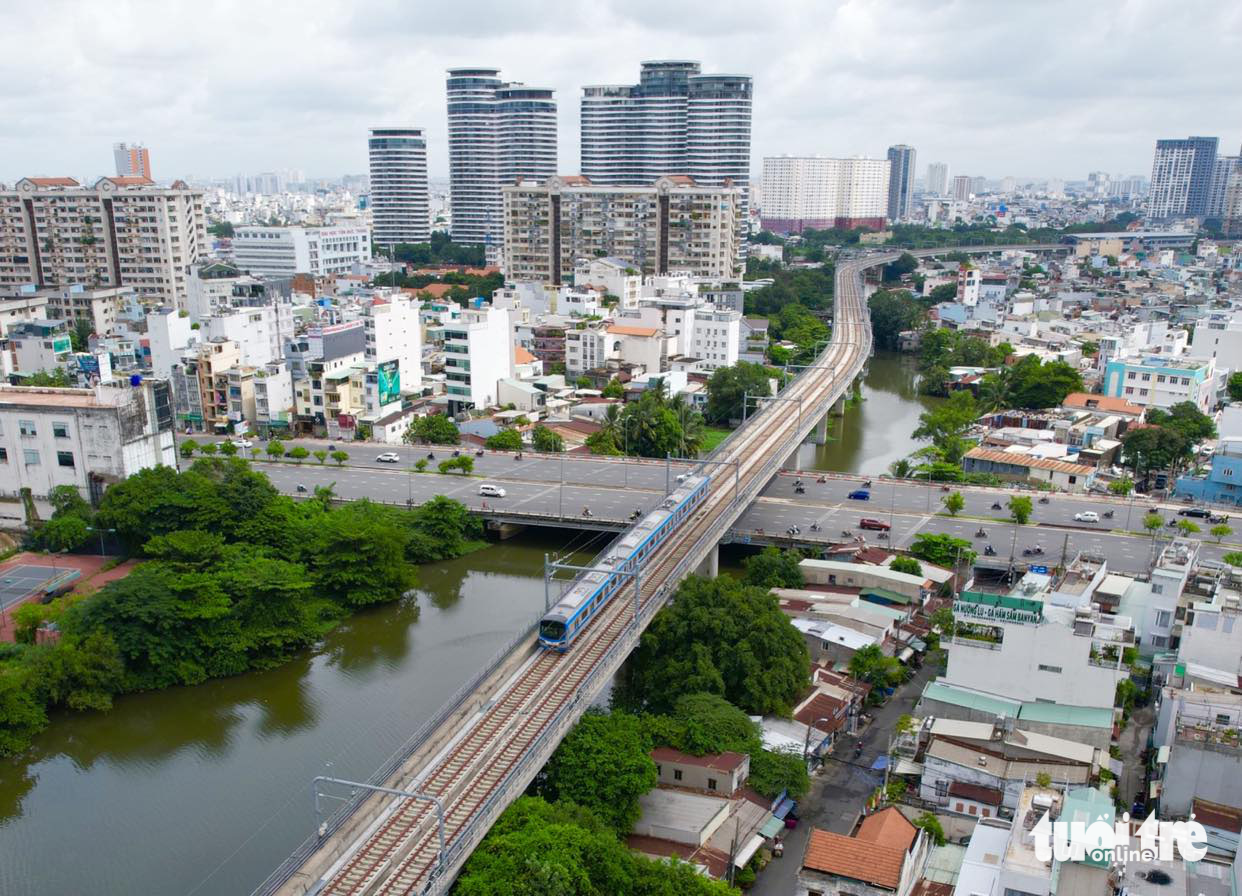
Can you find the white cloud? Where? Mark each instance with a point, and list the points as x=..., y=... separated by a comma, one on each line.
x=1054, y=88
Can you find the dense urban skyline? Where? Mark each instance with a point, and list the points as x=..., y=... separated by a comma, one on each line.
x=861, y=77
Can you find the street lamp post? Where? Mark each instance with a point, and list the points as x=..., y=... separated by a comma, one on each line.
x=806, y=744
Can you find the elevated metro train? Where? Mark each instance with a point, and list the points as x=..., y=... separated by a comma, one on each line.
x=590, y=591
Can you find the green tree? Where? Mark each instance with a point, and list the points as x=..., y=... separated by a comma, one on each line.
x=869, y=664
x=21, y=714
x=946, y=425
x=895, y=270
x=1220, y=532
x=728, y=387
x=187, y=448
x=432, y=429
x=1020, y=509
x=320, y=455
x=905, y=564
x=1034, y=384
x=1234, y=386
x=358, y=556
x=339, y=456
x=773, y=568
x=604, y=764
x=505, y=440
x=228, y=449
x=299, y=453
x=546, y=440
x=1187, y=528
x=892, y=313
x=942, y=550
x=275, y=449
x=209, y=449
x=931, y=824
x=721, y=637
x=613, y=389
x=900, y=469
x=954, y=502
x=463, y=463
x=772, y=771
x=64, y=533
x=1152, y=523
x=420, y=465
x=1121, y=487
x=1233, y=558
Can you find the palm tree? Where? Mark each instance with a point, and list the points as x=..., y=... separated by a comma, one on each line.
x=900, y=468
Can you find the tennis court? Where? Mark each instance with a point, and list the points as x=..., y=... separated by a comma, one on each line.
x=20, y=582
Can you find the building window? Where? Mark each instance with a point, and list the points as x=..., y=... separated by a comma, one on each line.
x=1222, y=719
x=676, y=774
x=1159, y=641
x=31, y=456
x=4, y=455
x=64, y=458
x=26, y=427
x=60, y=430
x=1157, y=588
x=711, y=783
x=1043, y=668
x=1163, y=618
x=1130, y=375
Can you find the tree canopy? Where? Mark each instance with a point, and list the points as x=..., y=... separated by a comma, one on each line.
x=773, y=568
x=946, y=425
x=653, y=426
x=728, y=386
x=432, y=429
x=546, y=440
x=892, y=313
x=721, y=637
x=604, y=764
x=942, y=550
x=505, y=440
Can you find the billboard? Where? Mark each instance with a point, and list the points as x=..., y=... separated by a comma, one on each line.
x=388, y=382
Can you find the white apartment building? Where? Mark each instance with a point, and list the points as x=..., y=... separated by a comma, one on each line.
x=1153, y=604
x=1022, y=647
x=588, y=348
x=400, y=202
x=937, y=179
x=1218, y=336
x=615, y=276
x=498, y=133
x=86, y=438
x=169, y=334
x=674, y=224
x=121, y=231
x=478, y=352
x=676, y=120
x=260, y=331
x=690, y=327
x=101, y=308
x=26, y=304
x=394, y=333
x=40, y=345
x=1159, y=381
x=273, y=398
x=716, y=337
x=802, y=192
x=285, y=251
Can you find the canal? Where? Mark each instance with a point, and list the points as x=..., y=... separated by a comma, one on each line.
x=205, y=790
x=876, y=431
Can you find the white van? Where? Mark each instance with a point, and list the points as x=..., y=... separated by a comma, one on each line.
x=487, y=490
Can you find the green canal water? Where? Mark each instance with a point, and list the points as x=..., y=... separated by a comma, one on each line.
x=205, y=790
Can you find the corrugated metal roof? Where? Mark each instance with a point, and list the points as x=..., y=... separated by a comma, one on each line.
x=947, y=693
x=1060, y=714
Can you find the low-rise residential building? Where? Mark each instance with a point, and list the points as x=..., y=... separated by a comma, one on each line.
x=40, y=345
x=884, y=857
x=100, y=308
x=478, y=353
x=1020, y=466
x=870, y=580
x=1222, y=484
x=285, y=251
x=85, y=438
x=25, y=303
x=1157, y=381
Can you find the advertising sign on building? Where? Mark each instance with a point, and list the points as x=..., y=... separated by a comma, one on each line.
x=388, y=382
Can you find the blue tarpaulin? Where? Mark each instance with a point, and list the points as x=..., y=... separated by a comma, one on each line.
x=880, y=763
x=783, y=808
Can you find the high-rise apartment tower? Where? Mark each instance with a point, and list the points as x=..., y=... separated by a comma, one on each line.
x=400, y=209
x=498, y=133
x=132, y=161
x=900, y=181
x=1181, y=178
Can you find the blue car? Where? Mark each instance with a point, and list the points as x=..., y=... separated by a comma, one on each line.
x=860, y=494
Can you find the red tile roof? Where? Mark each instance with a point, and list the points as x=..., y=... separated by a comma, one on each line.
x=1106, y=403
x=1217, y=815
x=888, y=828
x=721, y=762
x=132, y=181
x=53, y=181
x=988, y=796
x=853, y=858
x=623, y=330
x=822, y=706
x=522, y=356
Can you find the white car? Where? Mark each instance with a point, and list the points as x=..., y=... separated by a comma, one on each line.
x=389, y=457
x=1087, y=516
x=243, y=443
x=488, y=490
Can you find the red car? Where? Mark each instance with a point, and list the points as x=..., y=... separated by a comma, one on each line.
x=878, y=525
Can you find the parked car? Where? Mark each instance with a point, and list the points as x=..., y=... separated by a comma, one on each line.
x=243, y=443
x=388, y=457
x=1198, y=512
x=488, y=490
x=1087, y=516
x=859, y=494
x=878, y=525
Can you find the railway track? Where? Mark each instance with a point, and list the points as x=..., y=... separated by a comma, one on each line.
x=400, y=853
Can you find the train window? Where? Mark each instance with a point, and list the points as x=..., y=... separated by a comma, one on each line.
x=552, y=629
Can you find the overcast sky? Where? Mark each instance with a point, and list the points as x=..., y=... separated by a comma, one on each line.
x=993, y=87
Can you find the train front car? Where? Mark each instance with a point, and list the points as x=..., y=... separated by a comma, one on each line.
x=562, y=624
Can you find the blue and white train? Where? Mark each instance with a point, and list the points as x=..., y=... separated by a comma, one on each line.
x=565, y=621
